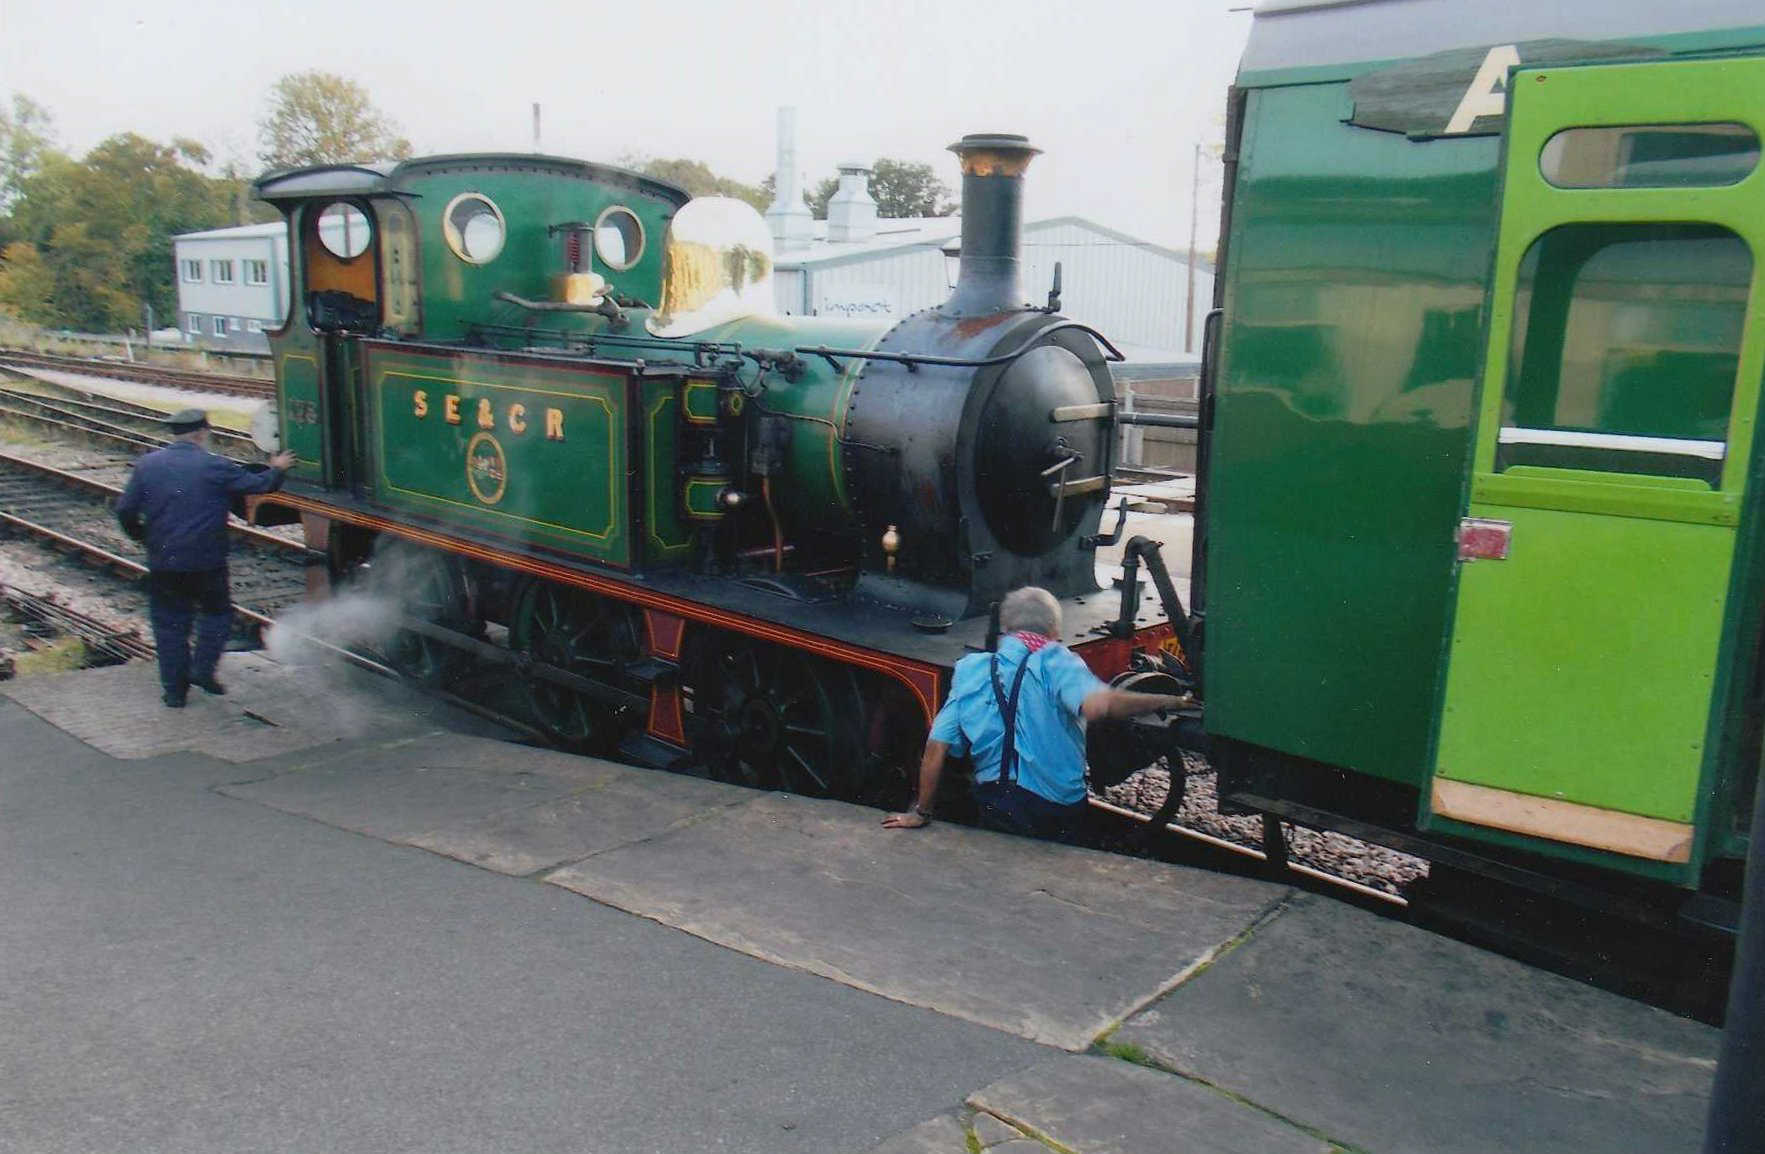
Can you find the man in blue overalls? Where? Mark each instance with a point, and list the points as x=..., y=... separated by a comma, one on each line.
x=177, y=501
x=1020, y=713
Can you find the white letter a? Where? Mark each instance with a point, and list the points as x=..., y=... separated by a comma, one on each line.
x=1488, y=95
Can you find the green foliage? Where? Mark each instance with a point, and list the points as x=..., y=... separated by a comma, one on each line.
x=27, y=287
x=322, y=118
x=26, y=136
x=697, y=178
x=817, y=200
x=90, y=240
x=899, y=187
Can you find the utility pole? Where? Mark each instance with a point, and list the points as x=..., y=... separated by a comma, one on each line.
x=1194, y=220
x=536, y=126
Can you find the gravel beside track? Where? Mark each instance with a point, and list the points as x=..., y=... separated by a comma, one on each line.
x=1337, y=855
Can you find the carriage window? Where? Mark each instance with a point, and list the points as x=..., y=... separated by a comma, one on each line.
x=1650, y=156
x=343, y=230
x=474, y=228
x=618, y=238
x=1626, y=344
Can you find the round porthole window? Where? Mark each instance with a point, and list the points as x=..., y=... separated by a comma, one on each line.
x=618, y=238
x=344, y=230
x=474, y=228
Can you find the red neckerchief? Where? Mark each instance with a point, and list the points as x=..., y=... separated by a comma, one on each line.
x=1034, y=641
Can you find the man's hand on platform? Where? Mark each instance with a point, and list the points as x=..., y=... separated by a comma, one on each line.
x=912, y=819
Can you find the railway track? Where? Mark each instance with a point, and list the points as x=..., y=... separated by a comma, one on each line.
x=137, y=427
x=72, y=514
x=144, y=374
x=105, y=644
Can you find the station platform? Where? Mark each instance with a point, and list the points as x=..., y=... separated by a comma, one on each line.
x=976, y=991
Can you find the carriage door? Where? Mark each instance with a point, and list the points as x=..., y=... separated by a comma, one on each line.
x=1614, y=432
x=341, y=304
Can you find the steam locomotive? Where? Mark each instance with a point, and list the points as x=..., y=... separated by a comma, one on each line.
x=548, y=405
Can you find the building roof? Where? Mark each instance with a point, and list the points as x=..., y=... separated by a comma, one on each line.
x=894, y=234
x=239, y=232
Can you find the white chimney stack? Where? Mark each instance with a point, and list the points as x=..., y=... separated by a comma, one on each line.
x=789, y=219
x=851, y=214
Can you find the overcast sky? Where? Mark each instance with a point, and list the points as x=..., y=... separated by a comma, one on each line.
x=1115, y=91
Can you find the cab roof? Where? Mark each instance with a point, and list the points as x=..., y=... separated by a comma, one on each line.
x=394, y=177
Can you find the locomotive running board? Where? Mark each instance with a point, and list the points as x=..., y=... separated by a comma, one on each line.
x=919, y=678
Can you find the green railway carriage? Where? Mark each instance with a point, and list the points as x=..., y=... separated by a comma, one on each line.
x=1481, y=538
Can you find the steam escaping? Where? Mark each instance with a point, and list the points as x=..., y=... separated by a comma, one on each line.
x=364, y=615
x=311, y=632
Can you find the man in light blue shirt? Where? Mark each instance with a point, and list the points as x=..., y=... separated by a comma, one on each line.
x=1020, y=713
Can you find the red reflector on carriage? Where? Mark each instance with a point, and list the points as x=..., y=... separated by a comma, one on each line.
x=1481, y=539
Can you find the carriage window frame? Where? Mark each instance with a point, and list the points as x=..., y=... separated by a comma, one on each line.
x=1630, y=423
x=1606, y=156
x=620, y=212
x=455, y=235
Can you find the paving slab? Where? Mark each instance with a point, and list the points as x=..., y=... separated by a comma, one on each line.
x=1049, y=942
x=1096, y=1105
x=1398, y=1041
x=941, y=1135
x=269, y=709
x=505, y=807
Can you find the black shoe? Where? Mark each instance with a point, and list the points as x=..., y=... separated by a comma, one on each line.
x=209, y=684
x=172, y=700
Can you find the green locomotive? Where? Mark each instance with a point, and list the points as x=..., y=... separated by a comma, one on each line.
x=1479, y=549
x=548, y=405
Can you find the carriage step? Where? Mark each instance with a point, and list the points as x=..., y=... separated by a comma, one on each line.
x=649, y=670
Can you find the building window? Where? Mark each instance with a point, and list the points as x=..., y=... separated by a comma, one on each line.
x=222, y=270
x=220, y=326
x=192, y=270
x=254, y=326
x=193, y=323
x=257, y=272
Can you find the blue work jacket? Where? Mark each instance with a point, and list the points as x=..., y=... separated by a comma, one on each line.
x=183, y=493
x=1050, y=730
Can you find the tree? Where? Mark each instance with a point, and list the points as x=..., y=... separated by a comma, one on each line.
x=26, y=135
x=322, y=118
x=697, y=178
x=899, y=187
x=27, y=286
x=93, y=237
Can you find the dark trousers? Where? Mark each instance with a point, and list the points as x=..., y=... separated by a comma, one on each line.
x=176, y=601
x=1010, y=808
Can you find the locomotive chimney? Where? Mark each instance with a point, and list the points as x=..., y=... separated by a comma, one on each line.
x=992, y=223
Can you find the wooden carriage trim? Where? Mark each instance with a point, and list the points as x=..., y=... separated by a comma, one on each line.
x=1547, y=817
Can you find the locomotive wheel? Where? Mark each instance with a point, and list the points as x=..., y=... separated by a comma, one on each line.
x=430, y=586
x=581, y=633
x=776, y=718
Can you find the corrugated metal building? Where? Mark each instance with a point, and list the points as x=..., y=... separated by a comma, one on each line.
x=1136, y=292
